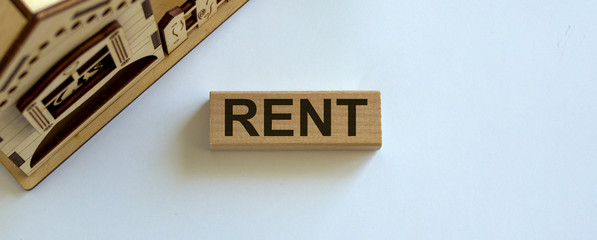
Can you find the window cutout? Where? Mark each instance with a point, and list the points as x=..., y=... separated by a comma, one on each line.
x=23, y=75
x=76, y=25
x=33, y=60
x=60, y=32
x=108, y=11
x=13, y=89
x=43, y=45
x=121, y=5
x=90, y=19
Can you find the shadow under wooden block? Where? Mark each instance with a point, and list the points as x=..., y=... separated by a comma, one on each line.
x=195, y=160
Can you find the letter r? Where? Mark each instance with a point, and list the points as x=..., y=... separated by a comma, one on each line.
x=229, y=116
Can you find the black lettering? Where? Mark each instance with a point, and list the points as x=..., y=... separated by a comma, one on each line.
x=268, y=117
x=325, y=126
x=229, y=116
x=352, y=113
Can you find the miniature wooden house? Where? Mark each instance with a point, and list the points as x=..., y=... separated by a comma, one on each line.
x=64, y=62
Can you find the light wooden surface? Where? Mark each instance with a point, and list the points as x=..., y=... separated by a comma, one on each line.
x=70, y=146
x=316, y=120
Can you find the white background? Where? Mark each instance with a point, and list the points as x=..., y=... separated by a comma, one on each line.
x=489, y=124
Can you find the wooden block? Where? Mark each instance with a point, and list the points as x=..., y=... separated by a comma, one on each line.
x=173, y=29
x=322, y=120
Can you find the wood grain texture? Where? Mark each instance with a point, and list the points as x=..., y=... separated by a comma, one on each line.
x=72, y=144
x=312, y=120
